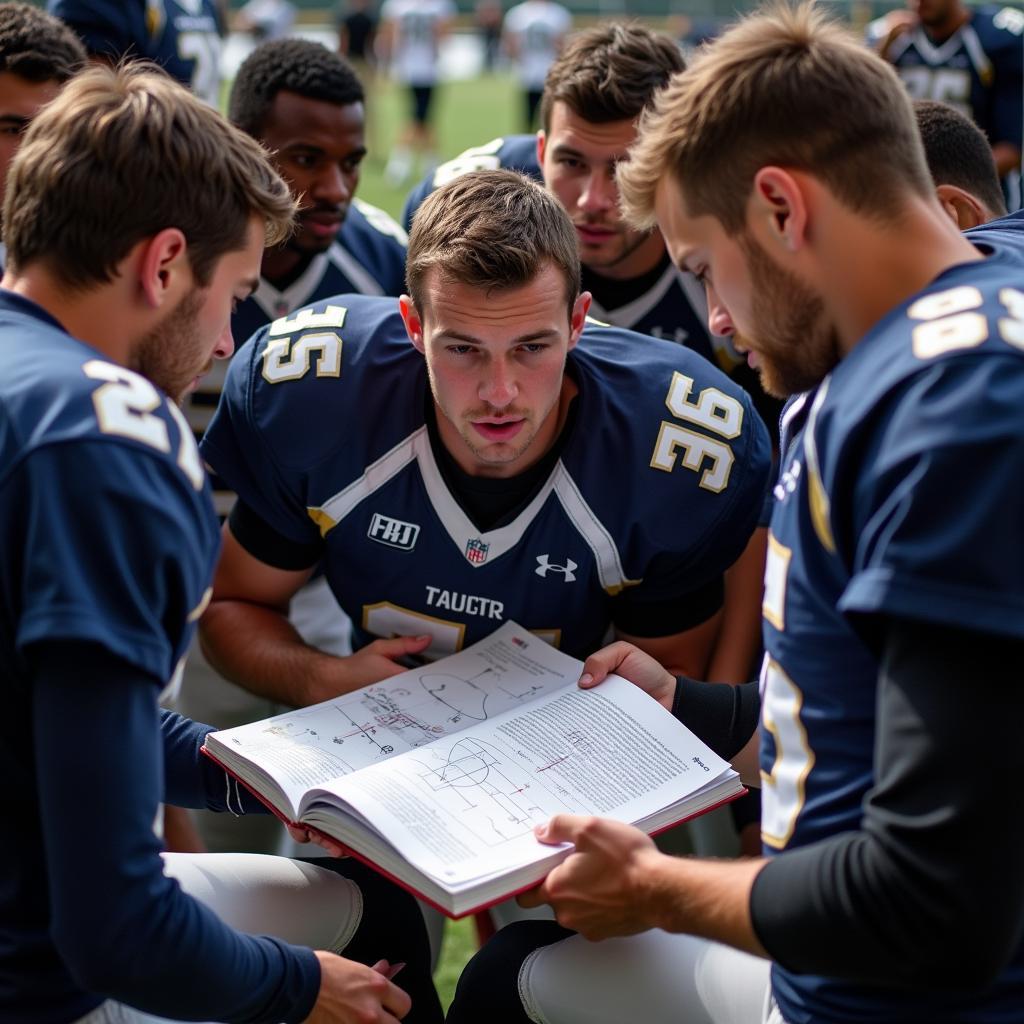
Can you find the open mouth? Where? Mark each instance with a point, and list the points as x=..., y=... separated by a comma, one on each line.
x=503, y=430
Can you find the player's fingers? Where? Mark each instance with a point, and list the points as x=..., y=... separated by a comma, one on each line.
x=562, y=828
x=396, y=1001
x=604, y=662
x=535, y=897
x=399, y=646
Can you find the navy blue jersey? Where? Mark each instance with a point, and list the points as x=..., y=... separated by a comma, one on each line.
x=322, y=431
x=182, y=36
x=900, y=497
x=108, y=537
x=978, y=69
x=368, y=257
x=673, y=308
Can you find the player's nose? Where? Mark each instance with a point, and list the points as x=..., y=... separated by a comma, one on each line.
x=333, y=186
x=719, y=322
x=225, y=346
x=599, y=193
x=499, y=387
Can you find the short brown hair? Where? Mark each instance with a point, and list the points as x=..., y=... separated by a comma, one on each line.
x=785, y=86
x=122, y=154
x=493, y=230
x=610, y=72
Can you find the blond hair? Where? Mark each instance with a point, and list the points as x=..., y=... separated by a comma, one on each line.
x=122, y=154
x=492, y=230
x=787, y=87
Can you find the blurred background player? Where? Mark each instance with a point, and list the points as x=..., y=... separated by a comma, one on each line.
x=409, y=41
x=266, y=19
x=969, y=57
x=182, y=36
x=303, y=102
x=357, y=40
x=38, y=54
x=532, y=36
x=487, y=18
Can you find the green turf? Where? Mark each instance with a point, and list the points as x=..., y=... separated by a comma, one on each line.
x=467, y=113
x=459, y=945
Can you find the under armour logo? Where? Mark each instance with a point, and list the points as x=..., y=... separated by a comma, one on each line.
x=544, y=564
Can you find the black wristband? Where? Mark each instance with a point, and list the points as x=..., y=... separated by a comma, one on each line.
x=722, y=715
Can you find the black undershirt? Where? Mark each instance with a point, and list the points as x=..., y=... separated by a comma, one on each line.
x=613, y=292
x=492, y=502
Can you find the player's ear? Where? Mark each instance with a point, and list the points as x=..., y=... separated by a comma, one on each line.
x=962, y=208
x=542, y=141
x=780, y=206
x=578, y=317
x=163, y=267
x=413, y=322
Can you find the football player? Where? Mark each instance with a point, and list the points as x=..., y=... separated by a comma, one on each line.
x=305, y=104
x=892, y=617
x=454, y=463
x=135, y=216
x=969, y=57
x=182, y=36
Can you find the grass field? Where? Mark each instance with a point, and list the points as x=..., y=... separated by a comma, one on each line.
x=467, y=113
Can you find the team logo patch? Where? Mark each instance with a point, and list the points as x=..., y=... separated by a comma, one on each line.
x=396, y=533
x=545, y=565
x=476, y=551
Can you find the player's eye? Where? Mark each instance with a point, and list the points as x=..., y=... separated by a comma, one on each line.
x=533, y=347
x=460, y=350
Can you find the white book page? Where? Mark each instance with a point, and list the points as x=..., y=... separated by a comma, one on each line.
x=465, y=807
x=309, y=747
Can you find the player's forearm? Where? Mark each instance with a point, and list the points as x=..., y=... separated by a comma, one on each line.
x=889, y=904
x=257, y=648
x=706, y=898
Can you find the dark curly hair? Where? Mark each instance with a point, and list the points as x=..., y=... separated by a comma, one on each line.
x=37, y=46
x=292, y=65
x=610, y=72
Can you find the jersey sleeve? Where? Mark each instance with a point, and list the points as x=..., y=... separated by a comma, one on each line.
x=937, y=516
x=240, y=452
x=128, y=570
x=692, y=559
x=107, y=27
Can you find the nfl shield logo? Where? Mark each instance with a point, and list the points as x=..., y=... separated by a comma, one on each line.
x=476, y=551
